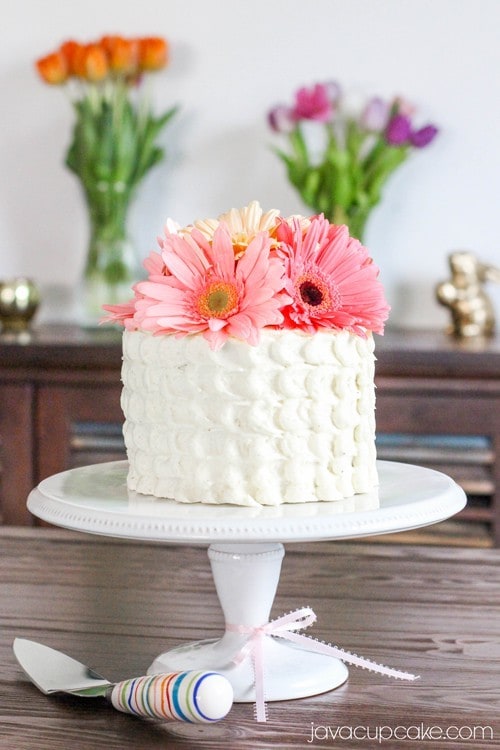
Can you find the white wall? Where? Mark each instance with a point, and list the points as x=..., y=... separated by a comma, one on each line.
x=232, y=60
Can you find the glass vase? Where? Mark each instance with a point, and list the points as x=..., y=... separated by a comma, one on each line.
x=111, y=266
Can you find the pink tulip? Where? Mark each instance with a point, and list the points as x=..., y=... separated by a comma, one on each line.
x=314, y=104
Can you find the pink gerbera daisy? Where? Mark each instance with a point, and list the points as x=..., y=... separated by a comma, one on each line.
x=154, y=265
x=205, y=289
x=331, y=279
x=122, y=313
x=125, y=312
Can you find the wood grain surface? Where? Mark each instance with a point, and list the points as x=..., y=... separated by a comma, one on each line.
x=116, y=605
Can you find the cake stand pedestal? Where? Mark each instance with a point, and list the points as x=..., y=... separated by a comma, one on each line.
x=245, y=549
x=246, y=578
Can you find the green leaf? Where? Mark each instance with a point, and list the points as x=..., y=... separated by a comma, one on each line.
x=164, y=119
x=337, y=178
x=103, y=148
x=298, y=144
x=387, y=162
x=112, y=145
x=374, y=154
x=354, y=139
x=125, y=147
x=148, y=154
x=309, y=190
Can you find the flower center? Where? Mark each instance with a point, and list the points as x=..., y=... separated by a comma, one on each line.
x=311, y=294
x=218, y=299
x=315, y=293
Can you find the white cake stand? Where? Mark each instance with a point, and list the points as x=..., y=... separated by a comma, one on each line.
x=245, y=552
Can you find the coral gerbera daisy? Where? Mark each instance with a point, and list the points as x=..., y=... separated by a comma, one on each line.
x=331, y=279
x=243, y=224
x=207, y=290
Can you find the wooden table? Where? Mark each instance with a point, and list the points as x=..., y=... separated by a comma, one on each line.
x=115, y=605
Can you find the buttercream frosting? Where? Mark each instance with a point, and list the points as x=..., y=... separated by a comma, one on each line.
x=291, y=420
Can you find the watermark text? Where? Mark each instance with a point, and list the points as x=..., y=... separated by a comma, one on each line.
x=383, y=733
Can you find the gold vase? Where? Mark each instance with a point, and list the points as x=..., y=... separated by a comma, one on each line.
x=19, y=300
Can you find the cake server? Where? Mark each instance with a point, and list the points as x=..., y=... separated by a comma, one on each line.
x=193, y=696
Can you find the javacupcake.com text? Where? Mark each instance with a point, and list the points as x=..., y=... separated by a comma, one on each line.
x=383, y=733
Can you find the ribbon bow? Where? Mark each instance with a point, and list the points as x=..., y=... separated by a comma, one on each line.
x=286, y=627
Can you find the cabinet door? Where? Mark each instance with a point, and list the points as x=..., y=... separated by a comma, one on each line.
x=76, y=426
x=16, y=453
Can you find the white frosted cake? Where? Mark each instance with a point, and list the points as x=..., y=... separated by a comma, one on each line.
x=288, y=421
x=248, y=363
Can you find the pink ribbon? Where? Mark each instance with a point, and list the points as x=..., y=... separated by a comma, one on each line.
x=286, y=627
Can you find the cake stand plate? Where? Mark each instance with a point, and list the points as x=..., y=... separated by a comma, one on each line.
x=245, y=549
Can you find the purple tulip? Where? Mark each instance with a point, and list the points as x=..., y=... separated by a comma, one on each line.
x=333, y=91
x=281, y=119
x=398, y=130
x=422, y=137
x=375, y=114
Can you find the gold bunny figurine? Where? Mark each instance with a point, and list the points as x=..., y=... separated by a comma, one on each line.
x=471, y=309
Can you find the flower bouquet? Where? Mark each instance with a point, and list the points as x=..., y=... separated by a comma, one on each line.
x=344, y=177
x=232, y=276
x=113, y=146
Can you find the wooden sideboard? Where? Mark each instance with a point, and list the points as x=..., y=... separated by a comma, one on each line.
x=59, y=407
x=438, y=404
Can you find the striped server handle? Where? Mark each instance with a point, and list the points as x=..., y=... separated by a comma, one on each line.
x=195, y=697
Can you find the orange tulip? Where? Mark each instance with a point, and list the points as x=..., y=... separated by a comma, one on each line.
x=91, y=63
x=79, y=55
x=70, y=50
x=153, y=53
x=53, y=68
x=123, y=54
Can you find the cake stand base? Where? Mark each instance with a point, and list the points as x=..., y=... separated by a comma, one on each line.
x=246, y=578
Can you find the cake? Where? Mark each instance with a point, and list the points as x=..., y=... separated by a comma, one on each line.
x=248, y=363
